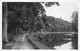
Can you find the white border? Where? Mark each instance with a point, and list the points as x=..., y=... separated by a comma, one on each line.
x=35, y=1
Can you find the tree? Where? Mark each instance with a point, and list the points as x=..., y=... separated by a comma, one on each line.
x=44, y=16
x=75, y=28
x=75, y=21
x=49, y=4
x=5, y=23
x=23, y=14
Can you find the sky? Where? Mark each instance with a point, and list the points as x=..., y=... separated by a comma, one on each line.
x=64, y=10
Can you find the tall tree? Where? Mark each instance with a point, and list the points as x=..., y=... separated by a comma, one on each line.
x=5, y=23
x=75, y=21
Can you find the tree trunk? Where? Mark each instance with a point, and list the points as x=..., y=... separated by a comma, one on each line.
x=5, y=24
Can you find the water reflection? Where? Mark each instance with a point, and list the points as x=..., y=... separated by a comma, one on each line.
x=64, y=46
x=60, y=41
x=72, y=44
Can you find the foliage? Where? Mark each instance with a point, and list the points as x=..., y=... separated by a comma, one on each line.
x=75, y=21
x=26, y=16
x=75, y=28
x=23, y=15
x=49, y=4
x=56, y=24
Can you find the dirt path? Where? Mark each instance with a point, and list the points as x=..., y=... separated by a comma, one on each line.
x=22, y=43
x=38, y=44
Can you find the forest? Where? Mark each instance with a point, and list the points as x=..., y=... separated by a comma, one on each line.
x=19, y=18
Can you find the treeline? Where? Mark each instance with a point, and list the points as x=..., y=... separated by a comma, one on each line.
x=57, y=25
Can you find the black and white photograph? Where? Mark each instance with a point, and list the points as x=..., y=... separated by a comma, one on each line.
x=40, y=25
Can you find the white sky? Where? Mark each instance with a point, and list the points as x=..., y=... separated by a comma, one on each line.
x=64, y=10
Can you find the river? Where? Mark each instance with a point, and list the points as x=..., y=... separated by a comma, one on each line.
x=72, y=44
x=65, y=46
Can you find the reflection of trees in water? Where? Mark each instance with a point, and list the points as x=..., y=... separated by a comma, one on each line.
x=75, y=41
x=58, y=40
x=53, y=40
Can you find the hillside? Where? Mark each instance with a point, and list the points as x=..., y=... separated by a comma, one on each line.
x=57, y=24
